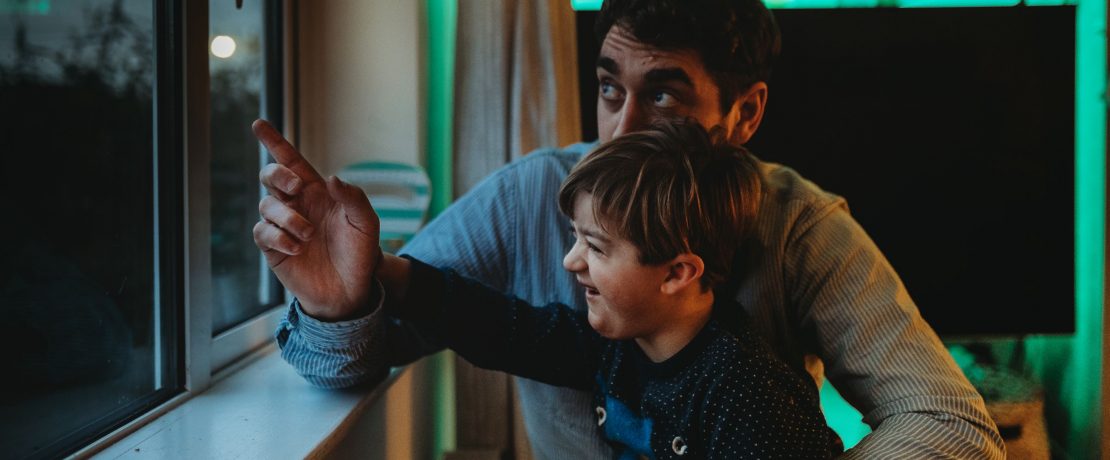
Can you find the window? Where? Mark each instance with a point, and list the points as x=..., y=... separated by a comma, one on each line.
x=88, y=280
x=98, y=282
x=241, y=72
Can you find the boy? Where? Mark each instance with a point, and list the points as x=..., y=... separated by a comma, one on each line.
x=656, y=217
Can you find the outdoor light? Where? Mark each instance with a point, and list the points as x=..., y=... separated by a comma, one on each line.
x=223, y=46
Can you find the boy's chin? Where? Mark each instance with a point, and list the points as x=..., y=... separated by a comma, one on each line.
x=606, y=328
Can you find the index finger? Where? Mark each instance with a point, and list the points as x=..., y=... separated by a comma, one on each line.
x=283, y=151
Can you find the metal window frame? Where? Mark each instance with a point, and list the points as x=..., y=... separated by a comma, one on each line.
x=228, y=346
x=168, y=246
x=183, y=142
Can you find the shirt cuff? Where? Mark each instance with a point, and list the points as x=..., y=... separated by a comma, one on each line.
x=326, y=334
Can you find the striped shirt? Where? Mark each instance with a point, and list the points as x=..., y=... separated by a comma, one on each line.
x=812, y=282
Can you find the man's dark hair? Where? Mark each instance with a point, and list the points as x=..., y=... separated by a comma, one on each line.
x=737, y=39
x=671, y=189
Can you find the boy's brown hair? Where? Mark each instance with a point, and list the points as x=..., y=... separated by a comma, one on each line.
x=671, y=189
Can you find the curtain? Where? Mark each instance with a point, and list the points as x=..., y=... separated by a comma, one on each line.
x=516, y=89
x=516, y=83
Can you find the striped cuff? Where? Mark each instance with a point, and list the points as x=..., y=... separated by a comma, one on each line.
x=331, y=335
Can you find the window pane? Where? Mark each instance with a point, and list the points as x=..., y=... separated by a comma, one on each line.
x=78, y=281
x=242, y=285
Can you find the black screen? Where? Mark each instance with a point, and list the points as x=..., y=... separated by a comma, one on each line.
x=951, y=134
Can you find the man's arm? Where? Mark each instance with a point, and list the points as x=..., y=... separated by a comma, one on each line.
x=335, y=354
x=473, y=236
x=879, y=353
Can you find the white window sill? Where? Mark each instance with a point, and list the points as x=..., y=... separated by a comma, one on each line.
x=264, y=410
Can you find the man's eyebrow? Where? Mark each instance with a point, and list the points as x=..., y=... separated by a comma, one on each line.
x=674, y=74
x=609, y=65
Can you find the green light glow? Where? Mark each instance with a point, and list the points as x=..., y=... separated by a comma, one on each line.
x=30, y=7
x=585, y=5
x=844, y=419
x=594, y=5
x=441, y=16
x=1082, y=389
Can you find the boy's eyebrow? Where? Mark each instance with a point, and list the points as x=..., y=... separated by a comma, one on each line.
x=609, y=65
x=595, y=235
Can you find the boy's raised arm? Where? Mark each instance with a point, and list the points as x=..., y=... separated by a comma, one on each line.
x=553, y=344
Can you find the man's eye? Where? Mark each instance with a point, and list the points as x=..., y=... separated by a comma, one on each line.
x=608, y=91
x=664, y=99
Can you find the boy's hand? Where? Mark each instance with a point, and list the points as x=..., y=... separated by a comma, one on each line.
x=319, y=236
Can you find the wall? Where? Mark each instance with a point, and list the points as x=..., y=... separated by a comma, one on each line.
x=396, y=427
x=359, y=96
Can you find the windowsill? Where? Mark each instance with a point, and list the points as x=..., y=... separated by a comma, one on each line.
x=264, y=410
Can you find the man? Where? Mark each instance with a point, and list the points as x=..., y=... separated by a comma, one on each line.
x=815, y=286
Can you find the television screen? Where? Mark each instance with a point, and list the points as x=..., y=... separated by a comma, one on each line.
x=951, y=134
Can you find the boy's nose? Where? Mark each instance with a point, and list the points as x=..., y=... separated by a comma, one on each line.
x=573, y=261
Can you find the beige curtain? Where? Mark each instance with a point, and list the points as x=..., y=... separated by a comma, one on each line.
x=516, y=89
x=516, y=83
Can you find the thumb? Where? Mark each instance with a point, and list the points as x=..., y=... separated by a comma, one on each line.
x=356, y=206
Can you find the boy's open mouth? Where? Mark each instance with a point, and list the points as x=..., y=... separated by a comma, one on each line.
x=590, y=290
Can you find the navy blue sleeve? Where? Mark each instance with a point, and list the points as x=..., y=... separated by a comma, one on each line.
x=552, y=344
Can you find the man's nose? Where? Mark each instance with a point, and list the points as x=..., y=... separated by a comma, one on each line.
x=633, y=118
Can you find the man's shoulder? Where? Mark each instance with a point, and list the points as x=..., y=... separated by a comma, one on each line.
x=537, y=171
x=546, y=157
x=785, y=185
x=792, y=203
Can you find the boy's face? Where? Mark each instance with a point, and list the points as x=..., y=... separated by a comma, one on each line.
x=623, y=295
x=639, y=84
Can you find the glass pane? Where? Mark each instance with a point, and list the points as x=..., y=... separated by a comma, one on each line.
x=78, y=278
x=242, y=285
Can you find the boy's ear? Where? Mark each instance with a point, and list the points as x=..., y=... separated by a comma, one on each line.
x=684, y=270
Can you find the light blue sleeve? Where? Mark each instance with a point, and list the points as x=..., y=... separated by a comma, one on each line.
x=334, y=354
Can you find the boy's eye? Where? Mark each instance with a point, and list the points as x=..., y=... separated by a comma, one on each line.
x=593, y=248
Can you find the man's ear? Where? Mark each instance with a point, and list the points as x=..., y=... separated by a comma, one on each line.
x=747, y=113
x=684, y=270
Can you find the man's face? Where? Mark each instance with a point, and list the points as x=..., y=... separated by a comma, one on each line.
x=638, y=84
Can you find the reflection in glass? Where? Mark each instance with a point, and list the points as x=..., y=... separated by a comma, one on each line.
x=78, y=278
x=242, y=286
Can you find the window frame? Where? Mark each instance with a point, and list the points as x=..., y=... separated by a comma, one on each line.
x=239, y=340
x=169, y=257
x=182, y=161
x=208, y=354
